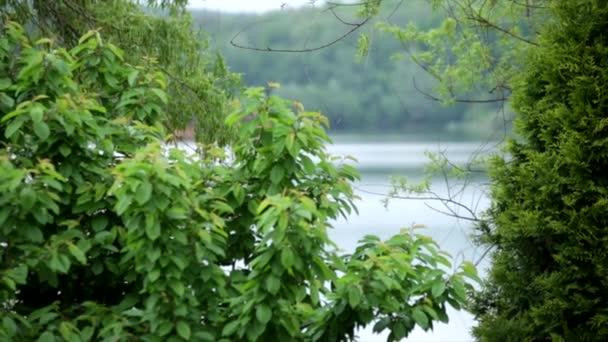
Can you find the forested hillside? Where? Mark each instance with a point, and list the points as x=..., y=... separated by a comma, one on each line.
x=374, y=93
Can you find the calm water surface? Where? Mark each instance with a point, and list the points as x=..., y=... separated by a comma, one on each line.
x=377, y=161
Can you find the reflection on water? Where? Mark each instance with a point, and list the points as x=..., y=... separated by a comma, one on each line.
x=377, y=162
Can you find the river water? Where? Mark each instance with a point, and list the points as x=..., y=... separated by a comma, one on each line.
x=377, y=161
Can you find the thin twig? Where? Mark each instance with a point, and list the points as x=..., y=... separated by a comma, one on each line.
x=435, y=98
x=269, y=49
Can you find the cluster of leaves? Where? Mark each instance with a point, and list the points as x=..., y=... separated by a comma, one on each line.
x=159, y=33
x=107, y=235
x=548, y=278
x=475, y=49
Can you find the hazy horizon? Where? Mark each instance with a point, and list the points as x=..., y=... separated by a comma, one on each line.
x=256, y=6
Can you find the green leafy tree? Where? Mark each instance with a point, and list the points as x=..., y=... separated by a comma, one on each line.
x=159, y=33
x=548, y=278
x=546, y=223
x=473, y=52
x=108, y=235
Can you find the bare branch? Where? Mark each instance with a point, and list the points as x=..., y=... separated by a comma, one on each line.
x=433, y=197
x=435, y=98
x=338, y=4
x=486, y=23
x=355, y=27
x=332, y=10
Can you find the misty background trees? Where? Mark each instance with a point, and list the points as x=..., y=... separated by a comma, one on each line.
x=375, y=93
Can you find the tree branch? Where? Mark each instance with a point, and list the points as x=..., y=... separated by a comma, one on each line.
x=435, y=98
x=355, y=27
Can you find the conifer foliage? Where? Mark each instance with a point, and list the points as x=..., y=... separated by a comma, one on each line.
x=549, y=276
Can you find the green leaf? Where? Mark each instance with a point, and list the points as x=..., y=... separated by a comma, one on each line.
x=16, y=112
x=431, y=312
x=5, y=83
x=164, y=328
x=289, y=143
x=37, y=113
x=438, y=288
x=122, y=205
x=153, y=254
x=19, y=274
x=177, y=287
x=354, y=296
x=144, y=193
x=42, y=130
x=152, y=227
x=6, y=101
x=398, y=330
x=239, y=193
x=97, y=268
x=183, y=330
x=420, y=318
x=154, y=275
x=273, y=284
x=263, y=205
x=66, y=330
x=206, y=336
x=176, y=213
x=160, y=94
x=230, y=328
x=28, y=197
x=4, y=213
x=381, y=324
x=276, y=174
x=99, y=223
x=308, y=203
x=9, y=326
x=86, y=36
x=180, y=237
x=179, y=261
x=46, y=337
x=263, y=313
x=132, y=77
x=87, y=333
x=65, y=150
x=287, y=258
x=33, y=65
x=459, y=290
x=13, y=127
x=34, y=234
x=469, y=270
x=77, y=253
x=309, y=166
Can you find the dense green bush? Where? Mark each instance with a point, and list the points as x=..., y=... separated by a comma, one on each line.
x=549, y=276
x=108, y=235
x=199, y=84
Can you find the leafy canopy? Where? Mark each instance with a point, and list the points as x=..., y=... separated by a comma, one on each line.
x=108, y=235
x=548, y=275
x=547, y=223
x=152, y=32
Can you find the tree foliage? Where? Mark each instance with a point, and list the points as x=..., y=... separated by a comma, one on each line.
x=108, y=235
x=548, y=278
x=473, y=51
x=158, y=33
x=546, y=223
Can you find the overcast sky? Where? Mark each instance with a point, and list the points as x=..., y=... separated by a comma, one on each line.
x=250, y=5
